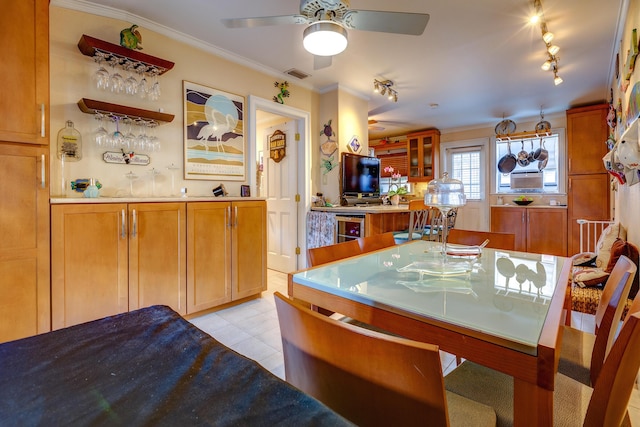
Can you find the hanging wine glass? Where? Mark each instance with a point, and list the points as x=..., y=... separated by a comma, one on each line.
x=152, y=140
x=130, y=84
x=116, y=81
x=129, y=138
x=101, y=135
x=101, y=76
x=154, y=90
x=117, y=138
x=143, y=86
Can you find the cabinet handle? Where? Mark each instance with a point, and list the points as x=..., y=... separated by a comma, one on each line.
x=123, y=230
x=134, y=227
x=235, y=209
x=228, y=216
x=42, y=120
x=523, y=220
x=43, y=171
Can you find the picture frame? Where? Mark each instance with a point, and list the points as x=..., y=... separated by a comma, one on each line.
x=214, y=140
x=245, y=191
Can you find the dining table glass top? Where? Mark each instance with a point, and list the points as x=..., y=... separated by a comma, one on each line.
x=505, y=294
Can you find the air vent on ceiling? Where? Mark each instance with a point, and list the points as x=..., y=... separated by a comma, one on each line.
x=297, y=73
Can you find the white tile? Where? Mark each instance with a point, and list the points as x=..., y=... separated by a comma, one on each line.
x=210, y=322
x=254, y=349
x=230, y=335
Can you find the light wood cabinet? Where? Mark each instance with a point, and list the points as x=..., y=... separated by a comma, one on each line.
x=24, y=74
x=423, y=154
x=226, y=252
x=24, y=246
x=588, y=189
x=24, y=184
x=537, y=230
x=587, y=133
x=111, y=258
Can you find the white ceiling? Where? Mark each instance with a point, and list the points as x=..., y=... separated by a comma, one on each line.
x=478, y=60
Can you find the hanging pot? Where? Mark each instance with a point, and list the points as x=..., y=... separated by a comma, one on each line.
x=543, y=126
x=531, y=153
x=508, y=162
x=541, y=153
x=542, y=164
x=523, y=157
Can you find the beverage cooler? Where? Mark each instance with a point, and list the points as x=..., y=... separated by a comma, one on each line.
x=349, y=227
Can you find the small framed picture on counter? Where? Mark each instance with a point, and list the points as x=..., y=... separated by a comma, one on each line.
x=245, y=191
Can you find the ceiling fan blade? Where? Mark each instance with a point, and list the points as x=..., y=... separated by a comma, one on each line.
x=262, y=21
x=387, y=22
x=320, y=62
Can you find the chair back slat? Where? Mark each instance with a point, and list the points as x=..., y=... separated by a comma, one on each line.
x=367, y=377
x=609, y=312
x=505, y=241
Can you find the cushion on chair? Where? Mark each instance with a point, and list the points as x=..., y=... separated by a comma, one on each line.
x=467, y=413
x=589, y=276
x=493, y=388
x=575, y=354
x=585, y=259
x=605, y=242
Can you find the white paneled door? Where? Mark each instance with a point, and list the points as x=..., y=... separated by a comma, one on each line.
x=281, y=189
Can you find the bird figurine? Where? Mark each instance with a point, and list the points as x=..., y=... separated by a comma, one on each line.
x=131, y=38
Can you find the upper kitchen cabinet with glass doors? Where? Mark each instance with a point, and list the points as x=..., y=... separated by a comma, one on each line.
x=423, y=154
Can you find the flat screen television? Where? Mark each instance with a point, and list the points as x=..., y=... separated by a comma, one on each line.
x=360, y=176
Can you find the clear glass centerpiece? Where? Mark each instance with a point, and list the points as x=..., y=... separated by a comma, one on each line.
x=445, y=194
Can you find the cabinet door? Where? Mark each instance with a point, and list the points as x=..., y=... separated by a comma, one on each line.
x=89, y=262
x=423, y=153
x=24, y=74
x=547, y=231
x=511, y=220
x=588, y=198
x=586, y=135
x=24, y=246
x=157, y=259
x=249, y=262
x=208, y=255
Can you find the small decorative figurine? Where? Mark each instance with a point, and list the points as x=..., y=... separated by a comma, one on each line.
x=284, y=92
x=131, y=38
x=327, y=131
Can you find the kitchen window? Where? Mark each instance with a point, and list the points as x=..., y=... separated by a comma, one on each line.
x=549, y=182
x=465, y=166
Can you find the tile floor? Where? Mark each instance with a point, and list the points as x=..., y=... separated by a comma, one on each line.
x=252, y=329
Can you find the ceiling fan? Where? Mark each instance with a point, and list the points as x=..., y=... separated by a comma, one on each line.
x=327, y=23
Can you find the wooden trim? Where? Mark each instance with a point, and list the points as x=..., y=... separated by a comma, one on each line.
x=91, y=106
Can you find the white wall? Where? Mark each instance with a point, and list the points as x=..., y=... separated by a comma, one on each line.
x=71, y=80
x=627, y=198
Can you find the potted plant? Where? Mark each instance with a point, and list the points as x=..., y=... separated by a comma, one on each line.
x=395, y=191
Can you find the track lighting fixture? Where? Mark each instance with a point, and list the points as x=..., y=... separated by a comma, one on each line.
x=384, y=87
x=547, y=37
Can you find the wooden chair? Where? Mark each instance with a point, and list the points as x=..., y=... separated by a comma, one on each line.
x=506, y=241
x=325, y=254
x=375, y=242
x=419, y=220
x=434, y=230
x=575, y=404
x=583, y=353
x=368, y=377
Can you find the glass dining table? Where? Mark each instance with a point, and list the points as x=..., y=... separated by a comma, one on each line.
x=501, y=309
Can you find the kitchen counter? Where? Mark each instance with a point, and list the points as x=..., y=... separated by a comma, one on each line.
x=69, y=200
x=533, y=205
x=373, y=209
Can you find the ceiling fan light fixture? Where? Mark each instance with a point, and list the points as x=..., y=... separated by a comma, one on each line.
x=553, y=49
x=546, y=66
x=557, y=79
x=547, y=37
x=325, y=38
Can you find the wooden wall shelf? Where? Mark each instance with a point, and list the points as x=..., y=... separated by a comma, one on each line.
x=521, y=135
x=91, y=106
x=89, y=46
